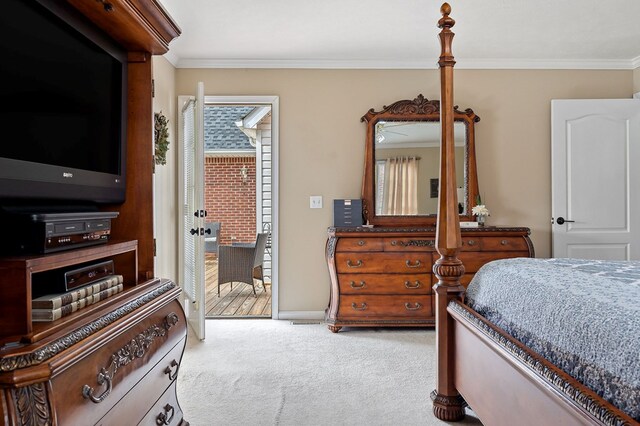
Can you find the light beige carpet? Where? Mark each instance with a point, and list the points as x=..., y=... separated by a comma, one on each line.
x=266, y=372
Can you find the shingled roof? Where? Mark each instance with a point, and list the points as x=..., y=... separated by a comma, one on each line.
x=220, y=130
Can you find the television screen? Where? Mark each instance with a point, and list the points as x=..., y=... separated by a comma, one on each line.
x=62, y=106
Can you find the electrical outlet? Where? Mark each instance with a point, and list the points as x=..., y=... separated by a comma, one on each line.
x=315, y=202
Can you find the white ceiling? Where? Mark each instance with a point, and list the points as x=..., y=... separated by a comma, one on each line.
x=589, y=34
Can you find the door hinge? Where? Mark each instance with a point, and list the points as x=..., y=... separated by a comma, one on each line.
x=155, y=250
x=153, y=88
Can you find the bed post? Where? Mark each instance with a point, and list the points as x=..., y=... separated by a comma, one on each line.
x=448, y=405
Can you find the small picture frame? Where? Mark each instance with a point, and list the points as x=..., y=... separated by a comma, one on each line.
x=434, y=183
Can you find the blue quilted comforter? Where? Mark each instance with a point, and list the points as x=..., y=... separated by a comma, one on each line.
x=582, y=315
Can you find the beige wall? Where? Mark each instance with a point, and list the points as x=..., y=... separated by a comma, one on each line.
x=165, y=197
x=636, y=80
x=322, y=145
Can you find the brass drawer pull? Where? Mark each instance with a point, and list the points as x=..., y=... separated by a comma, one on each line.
x=504, y=242
x=353, y=284
x=354, y=265
x=416, y=284
x=362, y=306
x=416, y=306
x=104, y=377
x=471, y=242
x=172, y=374
x=414, y=265
x=165, y=418
x=361, y=243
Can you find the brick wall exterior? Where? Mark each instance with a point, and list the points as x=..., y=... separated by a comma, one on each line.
x=229, y=200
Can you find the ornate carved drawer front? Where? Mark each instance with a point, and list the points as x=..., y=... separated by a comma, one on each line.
x=166, y=410
x=385, y=283
x=359, y=244
x=409, y=244
x=147, y=391
x=355, y=263
x=382, y=307
x=90, y=384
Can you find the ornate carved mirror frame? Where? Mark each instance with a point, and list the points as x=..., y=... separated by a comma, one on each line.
x=418, y=110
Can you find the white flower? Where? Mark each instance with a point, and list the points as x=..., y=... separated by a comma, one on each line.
x=480, y=209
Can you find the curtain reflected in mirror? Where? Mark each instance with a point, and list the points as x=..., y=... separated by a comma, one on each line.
x=397, y=190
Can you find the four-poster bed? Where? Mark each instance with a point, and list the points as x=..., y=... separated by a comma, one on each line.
x=479, y=364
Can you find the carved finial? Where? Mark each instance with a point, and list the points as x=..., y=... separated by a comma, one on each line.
x=446, y=36
x=446, y=21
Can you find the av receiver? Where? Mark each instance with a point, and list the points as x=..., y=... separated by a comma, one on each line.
x=52, y=232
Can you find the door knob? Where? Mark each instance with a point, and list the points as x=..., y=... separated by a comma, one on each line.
x=561, y=220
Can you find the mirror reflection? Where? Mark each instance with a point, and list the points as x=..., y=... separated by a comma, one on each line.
x=407, y=155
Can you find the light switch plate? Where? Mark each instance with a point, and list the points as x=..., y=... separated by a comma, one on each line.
x=315, y=202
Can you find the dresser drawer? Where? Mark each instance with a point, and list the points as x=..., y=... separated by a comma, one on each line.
x=165, y=411
x=91, y=383
x=359, y=244
x=472, y=244
x=418, y=262
x=409, y=244
x=472, y=261
x=385, y=283
x=147, y=391
x=505, y=244
x=385, y=306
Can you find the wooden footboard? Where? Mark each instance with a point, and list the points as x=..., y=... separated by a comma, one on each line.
x=506, y=383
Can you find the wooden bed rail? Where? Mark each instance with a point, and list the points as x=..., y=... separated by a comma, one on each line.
x=448, y=405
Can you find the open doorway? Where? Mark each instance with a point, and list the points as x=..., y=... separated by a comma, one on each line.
x=238, y=200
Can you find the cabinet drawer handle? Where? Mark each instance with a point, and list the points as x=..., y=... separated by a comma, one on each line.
x=413, y=265
x=504, y=242
x=165, y=418
x=362, y=306
x=416, y=284
x=471, y=242
x=361, y=243
x=416, y=306
x=104, y=378
x=169, y=370
x=136, y=348
x=353, y=284
x=354, y=265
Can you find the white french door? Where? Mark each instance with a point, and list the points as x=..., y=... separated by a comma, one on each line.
x=191, y=195
x=595, y=162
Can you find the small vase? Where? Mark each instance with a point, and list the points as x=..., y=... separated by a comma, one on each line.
x=481, y=218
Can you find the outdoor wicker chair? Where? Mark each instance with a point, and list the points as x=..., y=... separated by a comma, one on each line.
x=242, y=263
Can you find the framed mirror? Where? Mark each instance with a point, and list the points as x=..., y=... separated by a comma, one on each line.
x=400, y=185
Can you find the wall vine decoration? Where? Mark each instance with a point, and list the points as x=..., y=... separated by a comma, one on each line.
x=161, y=137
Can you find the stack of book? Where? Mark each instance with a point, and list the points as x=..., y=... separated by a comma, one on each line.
x=55, y=306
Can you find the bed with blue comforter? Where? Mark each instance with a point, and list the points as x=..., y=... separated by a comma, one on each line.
x=582, y=315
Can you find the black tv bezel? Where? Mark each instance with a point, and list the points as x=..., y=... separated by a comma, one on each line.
x=22, y=181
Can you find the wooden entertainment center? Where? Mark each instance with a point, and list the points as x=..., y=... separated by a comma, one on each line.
x=114, y=362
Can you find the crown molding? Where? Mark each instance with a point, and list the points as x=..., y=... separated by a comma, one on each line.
x=524, y=64
x=172, y=58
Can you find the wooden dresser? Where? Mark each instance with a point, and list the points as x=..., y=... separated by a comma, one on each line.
x=382, y=276
x=114, y=362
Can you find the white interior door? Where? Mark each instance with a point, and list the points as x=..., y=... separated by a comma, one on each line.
x=595, y=176
x=191, y=166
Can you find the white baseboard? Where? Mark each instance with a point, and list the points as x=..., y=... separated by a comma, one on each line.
x=301, y=315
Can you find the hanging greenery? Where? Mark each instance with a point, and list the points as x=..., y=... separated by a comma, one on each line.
x=161, y=133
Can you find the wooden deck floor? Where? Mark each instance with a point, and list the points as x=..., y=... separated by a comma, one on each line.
x=237, y=303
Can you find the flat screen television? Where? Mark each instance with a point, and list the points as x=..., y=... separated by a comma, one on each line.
x=62, y=107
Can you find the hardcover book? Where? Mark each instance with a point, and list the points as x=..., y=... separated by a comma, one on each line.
x=43, y=315
x=56, y=301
